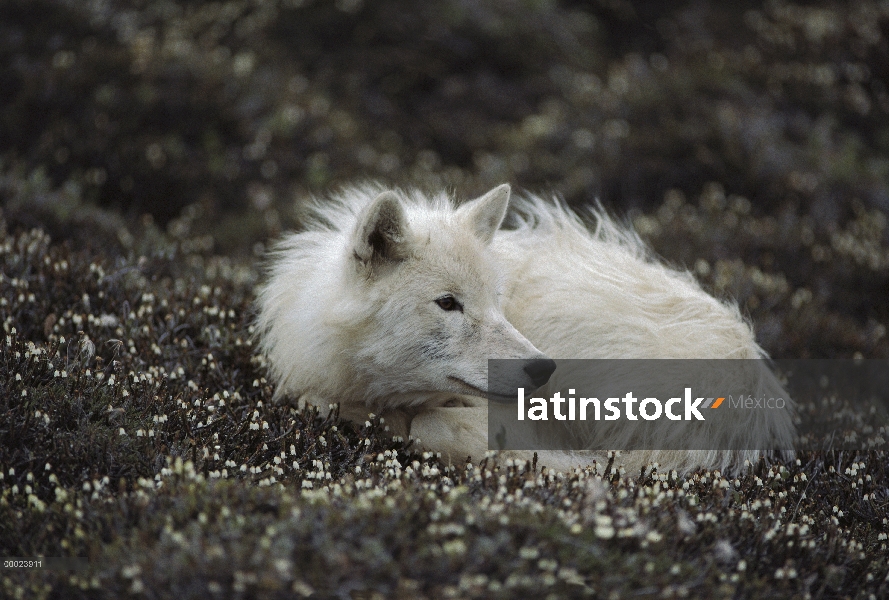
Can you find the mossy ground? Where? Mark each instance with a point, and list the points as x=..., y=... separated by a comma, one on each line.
x=153, y=149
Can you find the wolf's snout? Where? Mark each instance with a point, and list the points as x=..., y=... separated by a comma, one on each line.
x=539, y=370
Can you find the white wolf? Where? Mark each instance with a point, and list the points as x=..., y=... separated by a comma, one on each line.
x=393, y=301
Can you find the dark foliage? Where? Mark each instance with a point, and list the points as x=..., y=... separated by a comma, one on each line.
x=150, y=150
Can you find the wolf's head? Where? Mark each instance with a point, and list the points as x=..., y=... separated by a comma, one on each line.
x=429, y=294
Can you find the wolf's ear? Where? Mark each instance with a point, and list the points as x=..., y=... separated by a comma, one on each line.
x=485, y=214
x=380, y=236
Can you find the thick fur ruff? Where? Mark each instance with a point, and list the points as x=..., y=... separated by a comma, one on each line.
x=392, y=302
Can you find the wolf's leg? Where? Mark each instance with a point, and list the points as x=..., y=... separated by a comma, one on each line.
x=458, y=427
x=457, y=432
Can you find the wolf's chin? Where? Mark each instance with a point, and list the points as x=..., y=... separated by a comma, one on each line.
x=477, y=391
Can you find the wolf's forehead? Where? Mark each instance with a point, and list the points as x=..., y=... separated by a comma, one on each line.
x=457, y=256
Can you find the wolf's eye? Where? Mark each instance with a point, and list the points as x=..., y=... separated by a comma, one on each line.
x=449, y=303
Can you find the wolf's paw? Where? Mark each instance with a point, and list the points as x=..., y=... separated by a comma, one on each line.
x=456, y=432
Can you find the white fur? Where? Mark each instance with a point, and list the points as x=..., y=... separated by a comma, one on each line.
x=349, y=314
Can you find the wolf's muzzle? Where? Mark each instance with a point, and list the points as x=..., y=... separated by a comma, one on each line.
x=539, y=370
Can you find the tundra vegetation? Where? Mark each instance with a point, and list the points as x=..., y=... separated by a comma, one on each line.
x=150, y=150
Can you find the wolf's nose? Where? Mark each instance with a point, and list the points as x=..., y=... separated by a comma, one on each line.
x=540, y=369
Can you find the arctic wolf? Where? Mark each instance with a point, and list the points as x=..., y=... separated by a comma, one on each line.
x=392, y=302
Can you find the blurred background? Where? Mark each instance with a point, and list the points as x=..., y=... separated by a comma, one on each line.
x=746, y=141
